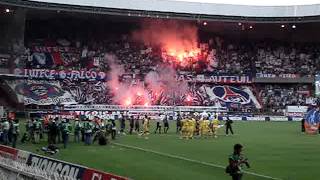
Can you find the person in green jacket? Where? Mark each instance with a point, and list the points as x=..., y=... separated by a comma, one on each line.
x=37, y=126
x=88, y=127
x=66, y=130
x=77, y=130
x=15, y=132
x=236, y=162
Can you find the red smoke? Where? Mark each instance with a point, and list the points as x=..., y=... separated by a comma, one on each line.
x=124, y=93
x=153, y=89
x=178, y=40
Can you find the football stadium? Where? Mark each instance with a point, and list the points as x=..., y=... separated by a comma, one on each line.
x=159, y=90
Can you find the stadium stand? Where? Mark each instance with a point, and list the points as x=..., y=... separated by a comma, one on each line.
x=97, y=41
x=83, y=70
x=229, y=59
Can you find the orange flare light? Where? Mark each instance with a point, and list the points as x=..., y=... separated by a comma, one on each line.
x=128, y=102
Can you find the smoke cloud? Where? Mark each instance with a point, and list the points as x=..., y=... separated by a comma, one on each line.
x=156, y=86
x=163, y=82
x=124, y=93
x=178, y=39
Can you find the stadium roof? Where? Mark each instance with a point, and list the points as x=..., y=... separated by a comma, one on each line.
x=185, y=10
x=258, y=3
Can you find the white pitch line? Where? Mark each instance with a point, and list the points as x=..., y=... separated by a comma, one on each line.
x=190, y=160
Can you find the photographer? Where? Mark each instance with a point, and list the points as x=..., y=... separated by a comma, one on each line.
x=236, y=162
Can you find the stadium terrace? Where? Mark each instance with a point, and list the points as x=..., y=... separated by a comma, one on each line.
x=158, y=90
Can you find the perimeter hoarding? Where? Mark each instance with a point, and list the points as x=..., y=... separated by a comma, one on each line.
x=54, y=167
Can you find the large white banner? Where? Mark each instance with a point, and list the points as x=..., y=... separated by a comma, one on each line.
x=296, y=109
x=1, y=111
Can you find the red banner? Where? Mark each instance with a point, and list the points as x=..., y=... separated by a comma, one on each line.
x=8, y=152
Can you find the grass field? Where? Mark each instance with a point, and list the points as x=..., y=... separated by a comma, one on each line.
x=275, y=149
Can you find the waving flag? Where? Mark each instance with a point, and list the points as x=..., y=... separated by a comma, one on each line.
x=232, y=96
x=312, y=121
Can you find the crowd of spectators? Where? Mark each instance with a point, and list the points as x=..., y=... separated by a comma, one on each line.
x=219, y=56
x=301, y=59
x=277, y=97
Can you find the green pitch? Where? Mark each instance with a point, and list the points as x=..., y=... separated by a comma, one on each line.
x=275, y=149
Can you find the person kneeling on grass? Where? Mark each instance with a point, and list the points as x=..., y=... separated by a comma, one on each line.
x=236, y=162
x=50, y=149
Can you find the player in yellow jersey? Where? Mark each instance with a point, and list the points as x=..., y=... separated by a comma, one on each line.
x=184, y=128
x=201, y=127
x=204, y=128
x=191, y=128
x=146, y=122
x=215, y=126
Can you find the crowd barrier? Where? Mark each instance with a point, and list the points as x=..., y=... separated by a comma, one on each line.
x=19, y=164
x=142, y=108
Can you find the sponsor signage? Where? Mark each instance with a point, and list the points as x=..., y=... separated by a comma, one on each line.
x=256, y=118
x=302, y=109
x=278, y=118
x=62, y=116
x=296, y=111
x=288, y=76
x=56, y=168
x=295, y=114
x=92, y=174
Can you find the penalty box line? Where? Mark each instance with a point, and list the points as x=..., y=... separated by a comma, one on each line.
x=189, y=160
